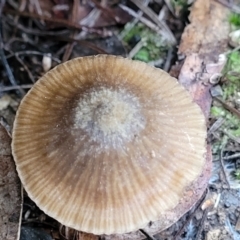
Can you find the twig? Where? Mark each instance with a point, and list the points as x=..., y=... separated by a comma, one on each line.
x=106, y=11
x=235, y=139
x=144, y=20
x=63, y=39
x=91, y=18
x=22, y=6
x=232, y=50
x=134, y=21
x=157, y=62
x=170, y=7
x=136, y=48
x=17, y=87
x=37, y=7
x=3, y=57
x=149, y=237
x=162, y=13
x=155, y=19
x=73, y=18
x=180, y=231
x=24, y=40
x=35, y=31
x=222, y=166
x=167, y=64
x=217, y=200
x=25, y=68
x=233, y=156
x=200, y=227
x=228, y=107
x=59, y=22
x=219, y=122
x=32, y=53
x=83, y=43
x=5, y=124
x=237, y=226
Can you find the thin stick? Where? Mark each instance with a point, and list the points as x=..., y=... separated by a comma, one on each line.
x=136, y=48
x=167, y=64
x=134, y=21
x=236, y=155
x=73, y=18
x=235, y=139
x=228, y=107
x=17, y=87
x=106, y=11
x=144, y=20
x=150, y=237
x=62, y=22
x=35, y=31
x=32, y=53
x=3, y=57
x=155, y=19
x=25, y=68
x=222, y=166
x=199, y=231
x=53, y=36
x=180, y=231
x=216, y=125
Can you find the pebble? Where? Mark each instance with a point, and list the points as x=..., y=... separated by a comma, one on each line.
x=216, y=91
x=227, y=204
x=198, y=215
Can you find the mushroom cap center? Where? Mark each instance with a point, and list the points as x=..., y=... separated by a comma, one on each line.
x=109, y=115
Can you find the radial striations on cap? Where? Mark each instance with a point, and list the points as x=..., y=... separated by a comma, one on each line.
x=105, y=144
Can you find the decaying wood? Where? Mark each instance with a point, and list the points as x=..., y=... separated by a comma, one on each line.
x=10, y=191
x=203, y=42
x=202, y=48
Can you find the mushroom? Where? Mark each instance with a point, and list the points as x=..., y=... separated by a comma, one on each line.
x=105, y=145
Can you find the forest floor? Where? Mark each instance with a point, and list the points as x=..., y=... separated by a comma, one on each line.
x=197, y=42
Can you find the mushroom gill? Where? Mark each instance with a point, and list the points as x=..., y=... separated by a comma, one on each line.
x=105, y=144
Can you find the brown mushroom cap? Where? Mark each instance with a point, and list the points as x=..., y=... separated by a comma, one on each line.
x=105, y=144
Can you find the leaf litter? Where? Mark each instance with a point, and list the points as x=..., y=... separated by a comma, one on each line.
x=46, y=33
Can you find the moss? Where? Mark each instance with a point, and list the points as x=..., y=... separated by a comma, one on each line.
x=234, y=19
x=143, y=55
x=218, y=112
x=154, y=47
x=231, y=90
x=180, y=3
x=234, y=62
x=131, y=32
x=180, y=7
x=218, y=145
x=237, y=174
x=232, y=72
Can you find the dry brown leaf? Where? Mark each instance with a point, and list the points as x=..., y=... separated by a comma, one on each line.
x=63, y=10
x=10, y=191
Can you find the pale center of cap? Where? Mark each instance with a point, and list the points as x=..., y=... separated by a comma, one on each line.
x=109, y=116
